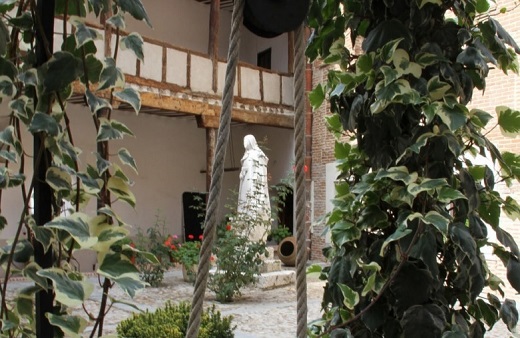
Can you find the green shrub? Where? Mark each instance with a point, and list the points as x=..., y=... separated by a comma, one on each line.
x=172, y=322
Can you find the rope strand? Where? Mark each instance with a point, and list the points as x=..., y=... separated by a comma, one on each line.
x=299, y=153
x=210, y=223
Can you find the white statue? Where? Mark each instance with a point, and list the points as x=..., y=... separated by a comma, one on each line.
x=253, y=194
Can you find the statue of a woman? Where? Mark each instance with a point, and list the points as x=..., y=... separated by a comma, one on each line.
x=253, y=193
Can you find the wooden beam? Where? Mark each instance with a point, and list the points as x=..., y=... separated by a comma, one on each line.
x=210, y=113
x=214, y=26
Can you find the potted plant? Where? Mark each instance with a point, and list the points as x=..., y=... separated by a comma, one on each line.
x=187, y=254
x=172, y=243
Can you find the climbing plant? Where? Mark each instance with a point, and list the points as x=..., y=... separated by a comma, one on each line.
x=36, y=81
x=416, y=195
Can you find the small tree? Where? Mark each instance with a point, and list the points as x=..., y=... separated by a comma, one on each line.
x=413, y=205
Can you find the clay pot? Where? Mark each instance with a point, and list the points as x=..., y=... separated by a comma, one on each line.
x=287, y=251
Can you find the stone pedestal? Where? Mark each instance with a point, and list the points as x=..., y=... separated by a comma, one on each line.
x=272, y=276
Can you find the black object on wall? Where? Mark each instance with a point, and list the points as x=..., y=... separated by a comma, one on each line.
x=194, y=211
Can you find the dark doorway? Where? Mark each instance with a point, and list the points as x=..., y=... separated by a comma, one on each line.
x=194, y=210
x=286, y=207
x=263, y=59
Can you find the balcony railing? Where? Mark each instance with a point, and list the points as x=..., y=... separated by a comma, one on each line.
x=172, y=78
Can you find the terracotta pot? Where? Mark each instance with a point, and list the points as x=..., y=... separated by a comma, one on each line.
x=287, y=251
x=189, y=273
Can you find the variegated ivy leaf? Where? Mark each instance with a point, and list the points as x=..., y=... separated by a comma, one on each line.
x=101, y=164
x=20, y=109
x=118, y=268
x=42, y=234
x=72, y=326
x=91, y=185
x=121, y=190
x=7, y=87
x=112, y=130
x=434, y=218
x=44, y=123
x=108, y=211
x=508, y=120
x=111, y=76
x=350, y=297
x=62, y=69
x=397, y=174
x=8, y=179
x=83, y=33
x=136, y=9
x=448, y=195
x=31, y=272
x=133, y=42
x=118, y=21
x=402, y=64
x=428, y=184
x=96, y=103
x=70, y=288
x=126, y=158
x=58, y=179
x=107, y=234
x=130, y=96
x=8, y=137
x=77, y=225
x=25, y=306
x=400, y=232
x=437, y=88
x=454, y=117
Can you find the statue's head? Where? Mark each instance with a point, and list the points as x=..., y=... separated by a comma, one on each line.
x=249, y=142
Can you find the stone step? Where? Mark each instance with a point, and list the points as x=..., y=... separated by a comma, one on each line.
x=271, y=280
x=271, y=265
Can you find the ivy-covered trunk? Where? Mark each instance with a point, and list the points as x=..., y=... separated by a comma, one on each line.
x=414, y=203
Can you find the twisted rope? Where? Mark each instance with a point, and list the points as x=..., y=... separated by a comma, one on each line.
x=299, y=153
x=217, y=173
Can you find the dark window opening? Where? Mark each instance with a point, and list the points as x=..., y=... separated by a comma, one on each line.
x=263, y=59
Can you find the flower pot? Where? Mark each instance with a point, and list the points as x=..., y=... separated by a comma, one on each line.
x=287, y=251
x=189, y=273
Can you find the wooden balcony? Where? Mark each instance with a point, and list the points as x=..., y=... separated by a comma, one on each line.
x=175, y=81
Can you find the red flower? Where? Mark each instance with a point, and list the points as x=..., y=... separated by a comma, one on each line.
x=228, y=227
x=173, y=247
x=190, y=236
x=201, y=237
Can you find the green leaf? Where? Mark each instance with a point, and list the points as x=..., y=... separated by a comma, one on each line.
x=58, y=179
x=130, y=283
x=136, y=9
x=121, y=189
x=418, y=317
x=351, y=297
x=435, y=2
x=316, y=97
x=314, y=270
x=44, y=123
x=133, y=42
x=72, y=326
x=482, y=6
x=511, y=208
x=77, y=225
x=341, y=149
x=364, y=64
x=126, y=158
x=112, y=130
x=111, y=76
x=90, y=184
x=130, y=96
x=69, y=288
x=96, y=103
x=62, y=69
x=508, y=120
